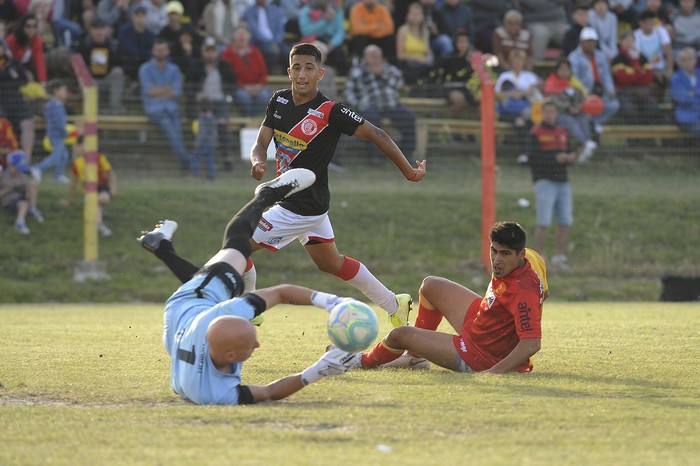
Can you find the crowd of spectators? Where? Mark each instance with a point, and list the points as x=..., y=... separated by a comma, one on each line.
x=204, y=59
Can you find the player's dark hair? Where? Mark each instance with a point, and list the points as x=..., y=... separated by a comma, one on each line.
x=305, y=49
x=509, y=234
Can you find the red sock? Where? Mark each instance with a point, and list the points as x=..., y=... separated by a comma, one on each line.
x=428, y=319
x=249, y=265
x=380, y=354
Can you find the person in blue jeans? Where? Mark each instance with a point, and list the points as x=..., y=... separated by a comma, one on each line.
x=161, y=86
x=56, y=119
x=206, y=139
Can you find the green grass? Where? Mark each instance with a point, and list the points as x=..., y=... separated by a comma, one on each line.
x=635, y=220
x=614, y=384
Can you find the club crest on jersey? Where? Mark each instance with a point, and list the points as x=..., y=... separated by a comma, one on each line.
x=309, y=127
x=282, y=100
x=315, y=113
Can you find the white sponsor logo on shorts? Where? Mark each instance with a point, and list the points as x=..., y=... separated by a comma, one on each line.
x=462, y=346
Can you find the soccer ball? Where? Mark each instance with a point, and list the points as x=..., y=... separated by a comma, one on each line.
x=352, y=326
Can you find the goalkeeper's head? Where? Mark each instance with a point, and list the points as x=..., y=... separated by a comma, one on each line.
x=231, y=339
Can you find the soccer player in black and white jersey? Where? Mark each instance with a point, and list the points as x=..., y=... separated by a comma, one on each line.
x=306, y=126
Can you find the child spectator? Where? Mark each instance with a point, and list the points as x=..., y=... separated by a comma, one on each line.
x=550, y=154
x=56, y=119
x=18, y=193
x=8, y=140
x=206, y=140
x=567, y=94
x=106, y=183
x=517, y=90
x=655, y=44
x=633, y=78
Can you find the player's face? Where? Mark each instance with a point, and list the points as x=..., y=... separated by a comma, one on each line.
x=304, y=73
x=504, y=260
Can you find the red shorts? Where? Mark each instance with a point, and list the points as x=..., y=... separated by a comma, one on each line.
x=472, y=355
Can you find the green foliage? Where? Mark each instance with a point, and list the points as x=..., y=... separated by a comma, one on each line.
x=614, y=384
x=632, y=225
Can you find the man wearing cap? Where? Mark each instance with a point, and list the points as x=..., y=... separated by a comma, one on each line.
x=589, y=65
x=175, y=27
x=212, y=78
x=135, y=41
x=99, y=51
x=18, y=193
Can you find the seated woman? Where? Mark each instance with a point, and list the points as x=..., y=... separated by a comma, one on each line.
x=568, y=94
x=413, y=46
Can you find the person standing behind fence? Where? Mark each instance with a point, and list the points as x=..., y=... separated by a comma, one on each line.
x=18, y=193
x=213, y=78
x=550, y=153
x=161, y=87
x=56, y=120
x=106, y=183
x=206, y=140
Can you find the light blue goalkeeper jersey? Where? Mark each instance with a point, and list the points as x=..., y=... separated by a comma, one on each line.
x=187, y=318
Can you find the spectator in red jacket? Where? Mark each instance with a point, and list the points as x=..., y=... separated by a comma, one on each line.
x=633, y=78
x=28, y=48
x=248, y=64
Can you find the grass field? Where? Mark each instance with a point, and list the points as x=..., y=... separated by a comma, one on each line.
x=635, y=221
x=614, y=384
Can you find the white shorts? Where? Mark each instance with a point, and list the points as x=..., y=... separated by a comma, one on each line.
x=278, y=227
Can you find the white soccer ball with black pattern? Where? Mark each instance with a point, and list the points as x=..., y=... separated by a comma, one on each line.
x=352, y=326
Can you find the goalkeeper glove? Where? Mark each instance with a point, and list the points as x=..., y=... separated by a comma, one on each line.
x=327, y=301
x=334, y=362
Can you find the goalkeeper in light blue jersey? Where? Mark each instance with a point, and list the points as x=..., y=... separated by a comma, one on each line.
x=207, y=323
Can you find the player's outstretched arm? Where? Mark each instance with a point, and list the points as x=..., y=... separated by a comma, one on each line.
x=258, y=154
x=334, y=362
x=298, y=295
x=368, y=132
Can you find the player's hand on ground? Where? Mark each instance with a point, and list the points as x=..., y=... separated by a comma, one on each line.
x=334, y=362
x=258, y=169
x=419, y=172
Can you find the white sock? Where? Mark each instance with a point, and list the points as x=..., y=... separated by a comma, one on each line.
x=249, y=279
x=374, y=290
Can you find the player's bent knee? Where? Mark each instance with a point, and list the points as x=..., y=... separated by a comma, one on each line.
x=399, y=336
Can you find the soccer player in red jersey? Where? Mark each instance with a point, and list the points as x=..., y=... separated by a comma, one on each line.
x=496, y=333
